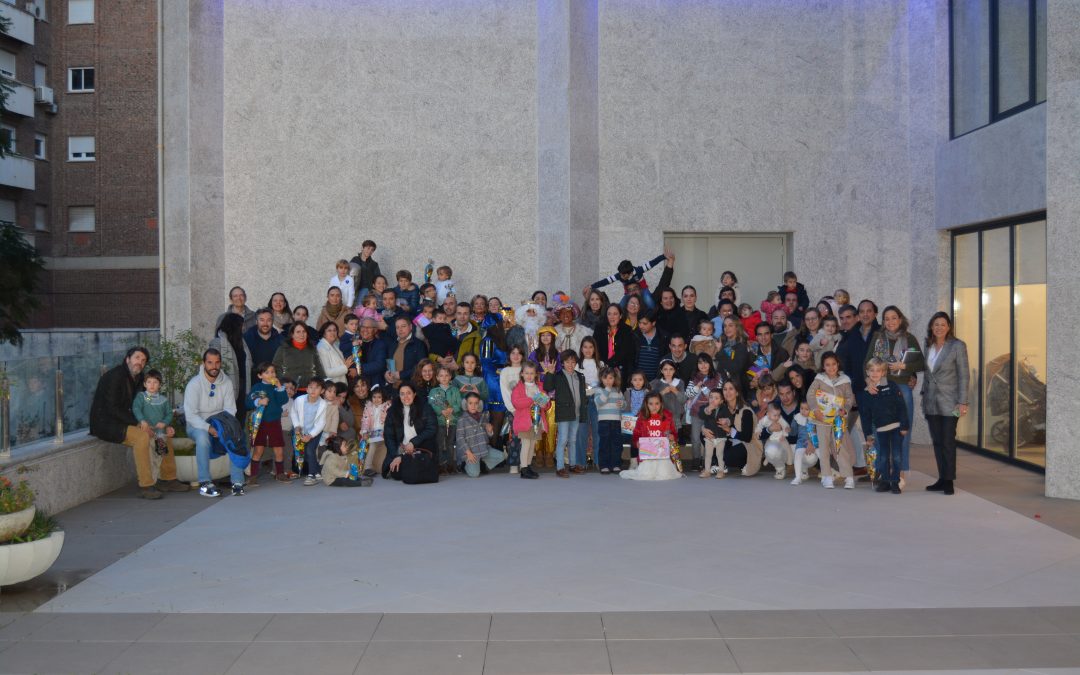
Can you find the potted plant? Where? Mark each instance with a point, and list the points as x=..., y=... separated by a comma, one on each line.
x=186, y=468
x=16, y=508
x=36, y=545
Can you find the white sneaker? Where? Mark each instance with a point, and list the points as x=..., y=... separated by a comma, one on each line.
x=827, y=482
x=849, y=483
x=309, y=480
x=513, y=470
x=781, y=474
x=797, y=481
x=805, y=476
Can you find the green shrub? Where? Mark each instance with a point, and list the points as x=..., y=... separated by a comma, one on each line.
x=15, y=497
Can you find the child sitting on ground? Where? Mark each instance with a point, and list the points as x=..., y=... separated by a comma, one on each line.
x=772, y=431
x=475, y=456
x=341, y=464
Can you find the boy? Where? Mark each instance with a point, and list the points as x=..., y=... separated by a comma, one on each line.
x=571, y=408
x=154, y=413
x=270, y=395
x=363, y=266
x=713, y=437
x=407, y=292
x=308, y=420
x=474, y=454
x=633, y=280
x=444, y=285
x=805, y=451
x=350, y=339
x=791, y=285
x=287, y=428
x=345, y=282
x=427, y=292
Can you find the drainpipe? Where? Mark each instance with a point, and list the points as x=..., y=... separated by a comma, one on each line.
x=160, y=172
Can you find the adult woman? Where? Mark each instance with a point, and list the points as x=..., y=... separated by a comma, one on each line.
x=541, y=298
x=423, y=379
x=615, y=343
x=733, y=357
x=378, y=285
x=495, y=306
x=800, y=379
x=297, y=358
x=894, y=345
x=945, y=395
x=334, y=365
x=697, y=397
x=300, y=315
x=633, y=311
x=670, y=317
x=334, y=310
x=235, y=357
x=810, y=326
x=279, y=307
x=358, y=398
x=694, y=315
x=409, y=431
x=238, y=306
x=827, y=307
x=479, y=304
x=736, y=420
x=596, y=303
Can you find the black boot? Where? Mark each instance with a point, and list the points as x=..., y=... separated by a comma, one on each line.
x=948, y=489
x=936, y=487
x=895, y=488
x=882, y=486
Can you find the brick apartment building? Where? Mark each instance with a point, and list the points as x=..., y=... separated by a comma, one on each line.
x=82, y=178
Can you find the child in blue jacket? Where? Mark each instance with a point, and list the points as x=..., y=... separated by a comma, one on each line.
x=885, y=415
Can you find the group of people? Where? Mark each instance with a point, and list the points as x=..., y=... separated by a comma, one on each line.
x=408, y=380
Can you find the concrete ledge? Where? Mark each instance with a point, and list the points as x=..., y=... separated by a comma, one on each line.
x=81, y=469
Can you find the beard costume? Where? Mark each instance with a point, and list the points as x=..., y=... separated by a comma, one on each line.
x=529, y=319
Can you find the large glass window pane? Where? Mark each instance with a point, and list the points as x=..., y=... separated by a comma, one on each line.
x=1029, y=297
x=970, y=64
x=996, y=340
x=966, y=325
x=1040, y=50
x=33, y=399
x=1014, y=53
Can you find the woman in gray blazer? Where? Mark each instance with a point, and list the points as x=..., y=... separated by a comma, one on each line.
x=945, y=395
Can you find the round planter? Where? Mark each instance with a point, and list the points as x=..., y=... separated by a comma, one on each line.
x=187, y=470
x=20, y=562
x=14, y=524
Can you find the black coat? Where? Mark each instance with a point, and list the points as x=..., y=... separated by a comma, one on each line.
x=733, y=366
x=423, y=422
x=110, y=411
x=625, y=356
x=557, y=384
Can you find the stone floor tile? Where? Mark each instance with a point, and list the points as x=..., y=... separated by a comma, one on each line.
x=771, y=623
x=60, y=657
x=207, y=628
x=288, y=658
x=430, y=627
x=894, y=653
x=8, y=617
x=671, y=656
x=991, y=621
x=441, y=658
x=1027, y=651
x=547, y=626
x=1067, y=619
x=881, y=622
x=97, y=627
x=793, y=654
x=319, y=628
x=659, y=625
x=175, y=658
x=24, y=625
x=581, y=657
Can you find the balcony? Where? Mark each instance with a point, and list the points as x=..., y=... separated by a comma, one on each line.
x=17, y=172
x=21, y=100
x=22, y=23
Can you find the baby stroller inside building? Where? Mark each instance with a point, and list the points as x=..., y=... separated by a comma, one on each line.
x=1030, y=402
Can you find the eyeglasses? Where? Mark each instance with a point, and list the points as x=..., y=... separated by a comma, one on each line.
x=213, y=386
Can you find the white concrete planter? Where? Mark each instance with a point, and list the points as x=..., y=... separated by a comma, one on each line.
x=20, y=562
x=188, y=472
x=14, y=524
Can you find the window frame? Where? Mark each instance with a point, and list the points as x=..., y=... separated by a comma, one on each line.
x=44, y=140
x=71, y=80
x=92, y=208
x=994, y=75
x=14, y=63
x=87, y=156
x=93, y=13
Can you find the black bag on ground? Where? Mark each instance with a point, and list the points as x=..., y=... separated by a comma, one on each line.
x=418, y=468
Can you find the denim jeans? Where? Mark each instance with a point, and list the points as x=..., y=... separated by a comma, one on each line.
x=889, y=454
x=202, y=457
x=909, y=403
x=609, y=455
x=490, y=460
x=311, y=457
x=589, y=427
x=566, y=437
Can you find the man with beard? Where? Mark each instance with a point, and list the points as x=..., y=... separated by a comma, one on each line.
x=207, y=394
x=528, y=320
x=262, y=340
x=112, y=420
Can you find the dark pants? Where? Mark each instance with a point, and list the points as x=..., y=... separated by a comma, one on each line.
x=890, y=454
x=311, y=456
x=609, y=454
x=943, y=433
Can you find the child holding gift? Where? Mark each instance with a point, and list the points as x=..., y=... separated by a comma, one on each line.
x=270, y=396
x=530, y=416
x=654, y=422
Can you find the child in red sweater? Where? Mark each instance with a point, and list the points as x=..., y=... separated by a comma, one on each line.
x=655, y=422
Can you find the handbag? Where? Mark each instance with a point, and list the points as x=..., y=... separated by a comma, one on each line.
x=419, y=468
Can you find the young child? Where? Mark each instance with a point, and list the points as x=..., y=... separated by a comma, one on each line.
x=445, y=399
x=635, y=398
x=630, y=276
x=672, y=391
x=712, y=435
x=287, y=429
x=567, y=387
x=826, y=339
x=609, y=403
x=428, y=292
x=771, y=303
x=749, y=318
x=772, y=431
x=371, y=428
x=470, y=379
x=655, y=422
x=444, y=284
x=270, y=395
x=407, y=292
x=884, y=423
x=831, y=399
x=805, y=449
x=475, y=455
x=154, y=414
x=791, y=285
x=368, y=308
x=729, y=280
x=530, y=416
x=341, y=464
x=426, y=314
x=440, y=339
x=345, y=282
x=842, y=297
x=705, y=341
x=309, y=413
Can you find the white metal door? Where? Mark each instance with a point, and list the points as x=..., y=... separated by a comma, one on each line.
x=758, y=260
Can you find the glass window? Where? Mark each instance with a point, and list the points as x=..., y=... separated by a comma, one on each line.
x=1014, y=53
x=80, y=11
x=41, y=75
x=1029, y=300
x=966, y=323
x=7, y=212
x=996, y=339
x=81, y=219
x=80, y=79
x=970, y=65
x=41, y=218
x=81, y=149
x=7, y=63
x=39, y=146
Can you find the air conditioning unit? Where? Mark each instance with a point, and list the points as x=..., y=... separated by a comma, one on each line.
x=43, y=95
x=35, y=8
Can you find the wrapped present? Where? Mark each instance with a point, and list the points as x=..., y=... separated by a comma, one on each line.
x=429, y=268
x=760, y=365
x=253, y=423
x=871, y=461
x=298, y=450
x=650, y=447
x=627, y=422
x=356, y=356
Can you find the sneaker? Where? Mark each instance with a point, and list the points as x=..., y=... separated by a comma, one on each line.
x=529, y=473
x=805, y=475
x=209, y=490
x=827, y=482
x=318, y=476
x=309, y=480
x=714, y=470
x=514, y=470
x=704, y=473
x=895, y=488
x=254, y=482
x=282, y=478
x=849, y=483
x=150, y=493
x=882, y=486
x=605, y=470
x=781, y=474
x=237, y=490
x=796, y=481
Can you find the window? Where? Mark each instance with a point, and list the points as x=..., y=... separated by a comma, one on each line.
x=41, y=218
x=7, y=63
x=81, y=149
x=41, y=75
x=80, y=11
x=80, y=79
x=8, y=137
x=7, y=212
x=40, y=149
x=81, y=219
x=999, y=310
x=998, y=64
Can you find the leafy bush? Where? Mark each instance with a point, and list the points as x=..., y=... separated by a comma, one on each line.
x=15, y=497
x=178, y=359
x=41, y=527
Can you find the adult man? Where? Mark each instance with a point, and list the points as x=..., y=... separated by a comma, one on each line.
x=782, y=328
x=390, y=311
x=791, y=306
x=405, y=350
x=207, y=394
x=373, y=354
x=651, y=345
x=262, y=340
x=524, y=334
x=773, y=354
x=112, y=420
x=685, y=363
x=238, y=305
x=789, y=408
x=852, y=352
x=465, y=331
x=568, y=334
x=364, y=267
x=848, y=318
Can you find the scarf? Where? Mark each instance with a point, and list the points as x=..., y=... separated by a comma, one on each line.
x=475, y=416
x=298, y=345
x=332, y=311
x=899, y=347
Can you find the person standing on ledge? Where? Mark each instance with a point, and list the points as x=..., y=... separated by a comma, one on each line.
x=112, y=420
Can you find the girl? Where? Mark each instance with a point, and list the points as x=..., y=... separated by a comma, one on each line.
x=654, y=422
x=831, y=399
x=900, y=351
x=826, y=340
x=671, y=391
x=423, y=379
x=771, y=303
x=334, y=365
x=530, y=416
x=749, y=318
x=509, y=376
x=470, y=379
x=334, y=309
x=885, y=416
x=445, y=400
x=773, y=431
x=589, y=430
x=609, y=403
x=805, y=452
x=371, y=428
x=635, y=399
x=279, y=306
x=367, y=309
x=547, y=356
x=596, y=303
x=340, y=464
x=633, y=311
x=804, y=358
x=615, y=342
x=704, y=342
x=736, y=421
x=712, y=435
x=729, y=280
x=734, y=358
x=704, y=381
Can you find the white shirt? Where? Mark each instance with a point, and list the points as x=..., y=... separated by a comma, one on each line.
x=410, y=430
x=348, y=290
x=931, y=356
